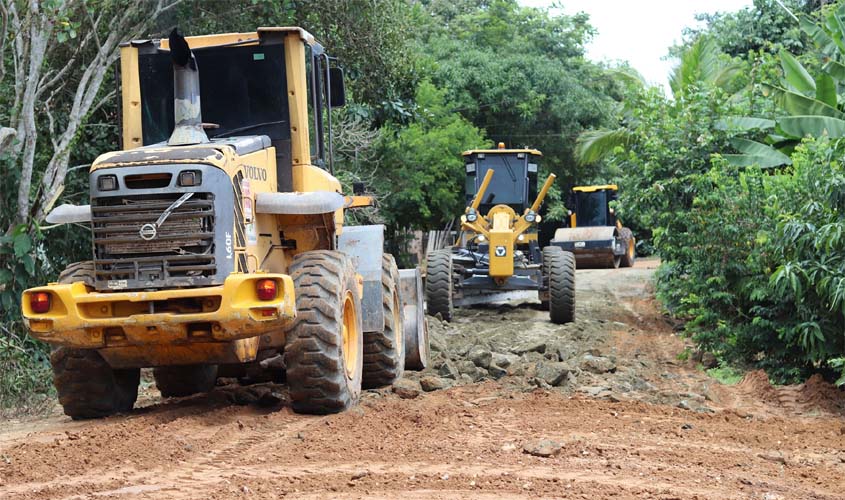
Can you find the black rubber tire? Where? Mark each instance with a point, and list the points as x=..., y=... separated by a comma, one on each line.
x=179, y=381
x=79, y=271
x=314, y=350
x=384, y=358
x=543, y=293
x=438, y=284
x=561, y=276
x=88, y=387
x=630, y=256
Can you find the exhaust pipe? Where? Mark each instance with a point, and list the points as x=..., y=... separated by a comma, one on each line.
x=186, y=94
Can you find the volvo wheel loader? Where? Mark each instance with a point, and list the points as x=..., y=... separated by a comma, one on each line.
x=497, y=254
x=595, y=235
x=219, y=241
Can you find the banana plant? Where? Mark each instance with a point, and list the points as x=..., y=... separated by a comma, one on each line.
x=810, y=102
x=701, y=64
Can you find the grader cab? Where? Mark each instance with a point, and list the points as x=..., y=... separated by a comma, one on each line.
x=219, y=239
x=497, y=256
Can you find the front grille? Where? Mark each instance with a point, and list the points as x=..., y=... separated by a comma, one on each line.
x=180, y=254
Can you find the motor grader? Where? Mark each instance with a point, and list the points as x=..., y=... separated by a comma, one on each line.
x=595, y=235
x=497, y=256
x=220, y=245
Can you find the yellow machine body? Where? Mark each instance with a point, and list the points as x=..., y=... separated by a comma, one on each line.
x=224, y=323
x=502, y=227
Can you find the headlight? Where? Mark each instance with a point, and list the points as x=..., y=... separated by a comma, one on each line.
x=530, y=217
x=107, y=183
x=521, y=237
x=481, y=238
x=472, y=216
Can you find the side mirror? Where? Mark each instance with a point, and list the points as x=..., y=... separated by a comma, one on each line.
x=337, y=92
x=359, y=188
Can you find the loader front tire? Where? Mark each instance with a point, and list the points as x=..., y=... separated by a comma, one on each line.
x=324, y=344
x=438, y=284
x=179, y=381
x=88, y=387
x=384, y=351
x=560, y=266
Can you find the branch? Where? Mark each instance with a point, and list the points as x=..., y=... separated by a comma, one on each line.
x=4, y=31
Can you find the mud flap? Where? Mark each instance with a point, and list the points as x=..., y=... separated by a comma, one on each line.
x=416, y=328
x=366, y=245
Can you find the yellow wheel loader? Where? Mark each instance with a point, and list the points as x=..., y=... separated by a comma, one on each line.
x=219, y=244
x=595, y=235
x=497, y=256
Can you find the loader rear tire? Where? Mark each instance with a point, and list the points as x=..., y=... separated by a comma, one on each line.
x=79, y=271
x=180, y=381
x=384, y=352
x=88, y=387
x=561, y=275
x=324, y=344
x=438, y=284
x=630, y=255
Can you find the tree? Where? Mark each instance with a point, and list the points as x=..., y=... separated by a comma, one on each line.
x=58, y=52
x=520, y=74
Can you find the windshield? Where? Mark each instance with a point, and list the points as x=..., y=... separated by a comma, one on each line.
x=592, y=209
x=242, y=89
x=508, y=185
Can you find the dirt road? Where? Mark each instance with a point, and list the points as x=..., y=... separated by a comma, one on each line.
x=630, y=421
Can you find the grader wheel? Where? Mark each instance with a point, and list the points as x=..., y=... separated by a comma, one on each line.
x=438, y=284
x=324, y=344
x=384, y=352
x=87, y=386
x=560, y=267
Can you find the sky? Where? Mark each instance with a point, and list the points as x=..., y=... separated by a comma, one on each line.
x=640, y=32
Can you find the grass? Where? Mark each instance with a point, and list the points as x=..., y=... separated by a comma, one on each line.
x=726, y=375
x=25, y=377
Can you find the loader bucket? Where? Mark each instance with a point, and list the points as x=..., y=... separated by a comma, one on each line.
x=593, y=246
x=416, y=328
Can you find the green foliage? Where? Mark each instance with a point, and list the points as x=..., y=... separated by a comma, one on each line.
x=765, y=26
x=703, y=63
x=753, y=259
x=422, y=166
x=520, y=74
x=726, y=375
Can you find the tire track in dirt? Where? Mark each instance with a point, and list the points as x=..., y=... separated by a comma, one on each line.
x=464, y=442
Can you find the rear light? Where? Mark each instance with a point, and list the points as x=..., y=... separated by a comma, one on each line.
x=268, y=312
x=266, y=289
x=39, y=302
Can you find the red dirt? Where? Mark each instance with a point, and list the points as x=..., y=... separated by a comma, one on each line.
x=759, y=442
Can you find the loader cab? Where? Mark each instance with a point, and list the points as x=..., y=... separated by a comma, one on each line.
x=275, y=82
x=514, y=181
x=590, y=206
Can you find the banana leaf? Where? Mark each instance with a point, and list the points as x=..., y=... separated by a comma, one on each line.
x=797, y=77
x=756, y=153
x=814, y=126
x=744, y=123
